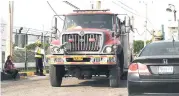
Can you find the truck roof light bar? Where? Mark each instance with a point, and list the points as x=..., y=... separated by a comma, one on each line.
x=90, y=10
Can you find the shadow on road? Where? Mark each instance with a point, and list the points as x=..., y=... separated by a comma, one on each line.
x=97, y=82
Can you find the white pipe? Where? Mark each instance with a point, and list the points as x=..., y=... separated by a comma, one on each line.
x=1, y=31
x=9, y=46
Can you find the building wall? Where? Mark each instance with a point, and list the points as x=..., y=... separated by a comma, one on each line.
x=172, y=28
x=174, y=31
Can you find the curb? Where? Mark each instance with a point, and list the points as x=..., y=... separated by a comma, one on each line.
x=28, y=74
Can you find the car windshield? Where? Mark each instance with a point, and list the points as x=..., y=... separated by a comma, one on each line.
x=161, y=49
x=88, y=21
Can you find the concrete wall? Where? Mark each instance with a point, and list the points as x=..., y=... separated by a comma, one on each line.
x=174, y=31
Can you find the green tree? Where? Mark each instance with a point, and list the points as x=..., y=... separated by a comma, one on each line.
x=138, y=45
x=33, y=45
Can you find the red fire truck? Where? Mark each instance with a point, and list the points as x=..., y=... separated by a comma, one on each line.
x=92, y=43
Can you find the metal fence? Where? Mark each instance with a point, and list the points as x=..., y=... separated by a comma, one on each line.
x=20, y=61
x=24, y=59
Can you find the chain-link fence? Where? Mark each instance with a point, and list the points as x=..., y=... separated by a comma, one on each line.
x=24, y=58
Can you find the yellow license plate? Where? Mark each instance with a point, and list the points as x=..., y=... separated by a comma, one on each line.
x=78, y=58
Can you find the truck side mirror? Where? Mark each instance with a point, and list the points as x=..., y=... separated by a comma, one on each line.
x=128, y=25
x=115, y=34
x=54, y=30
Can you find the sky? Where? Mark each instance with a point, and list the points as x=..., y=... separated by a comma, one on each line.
x=38, y=15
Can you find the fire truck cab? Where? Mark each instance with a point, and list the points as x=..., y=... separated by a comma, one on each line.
x=92, y=43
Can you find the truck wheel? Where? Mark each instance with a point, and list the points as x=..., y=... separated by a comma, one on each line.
x=114, y=78
x=56, y=75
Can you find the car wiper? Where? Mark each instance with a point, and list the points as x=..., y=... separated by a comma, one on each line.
x=173, y=42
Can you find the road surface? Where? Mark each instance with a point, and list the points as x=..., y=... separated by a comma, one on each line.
x=40, y=86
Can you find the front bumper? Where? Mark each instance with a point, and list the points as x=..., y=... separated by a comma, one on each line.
x=94, y=59
x=154, y=87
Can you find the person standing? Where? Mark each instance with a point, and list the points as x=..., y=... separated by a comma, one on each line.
x=10, y=68
x=39, y=54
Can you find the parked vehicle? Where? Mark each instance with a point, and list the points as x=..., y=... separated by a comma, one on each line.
x=92, y=42
x=156, y=70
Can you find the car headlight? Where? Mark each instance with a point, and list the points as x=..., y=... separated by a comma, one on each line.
x=108, y=49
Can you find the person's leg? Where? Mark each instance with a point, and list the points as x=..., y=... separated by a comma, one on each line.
x=14, y=73
x=37, y=67
x=10, y=72
x=41, y=67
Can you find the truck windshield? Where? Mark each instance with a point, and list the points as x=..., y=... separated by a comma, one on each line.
x=88, y=21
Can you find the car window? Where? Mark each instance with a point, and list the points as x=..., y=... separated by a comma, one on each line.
x=161, y=49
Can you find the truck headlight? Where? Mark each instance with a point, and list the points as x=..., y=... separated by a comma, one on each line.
x=57, y=50
x=108, y=49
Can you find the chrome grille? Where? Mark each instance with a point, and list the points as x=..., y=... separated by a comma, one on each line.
x=87, y=42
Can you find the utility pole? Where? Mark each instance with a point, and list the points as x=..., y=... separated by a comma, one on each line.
x=133, y=35
x=1, y=32
x=44, y=59
x=26, y=42
x=92, y=4
x=145, y=38
x=98, y=5
x=178, y=29
x=146, y=17
x=9, y=44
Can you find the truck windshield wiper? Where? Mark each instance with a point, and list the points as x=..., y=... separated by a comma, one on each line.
x=173, y=41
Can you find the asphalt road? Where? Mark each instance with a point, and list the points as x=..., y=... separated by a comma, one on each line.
x=40, y=86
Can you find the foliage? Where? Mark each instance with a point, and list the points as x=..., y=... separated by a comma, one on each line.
x=33, y=45
x=139, y=44
x=149, y=41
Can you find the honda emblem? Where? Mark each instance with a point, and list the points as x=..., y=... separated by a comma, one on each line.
x=165, y=61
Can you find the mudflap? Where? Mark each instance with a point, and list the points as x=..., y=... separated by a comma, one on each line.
x=114, y=78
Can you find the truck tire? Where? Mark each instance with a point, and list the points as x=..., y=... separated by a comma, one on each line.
x=114, y=79
x=56, y=75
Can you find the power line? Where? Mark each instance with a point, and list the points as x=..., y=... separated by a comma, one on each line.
x=126, y=5
x=134, y=13
x=138, y=32
x=71, y=5
x=126, y=9
x=54, y=11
